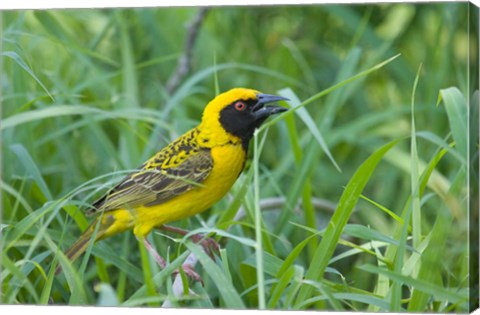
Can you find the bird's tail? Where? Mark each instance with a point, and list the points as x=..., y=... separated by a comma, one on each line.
x=94, y=232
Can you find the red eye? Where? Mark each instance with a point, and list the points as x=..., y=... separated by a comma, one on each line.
x=240, y=106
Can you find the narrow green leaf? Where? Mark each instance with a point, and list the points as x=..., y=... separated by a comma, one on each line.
x=363, y=248
x=310, y=123
x=47, y=289
x=21, y=280
x=339, y=219
x=384, y=209
x=456, y=106
x=226, y=267
x=278, y=289
x=431, y=265
x=13, y=55
x=433, y=138
x=272, y=263
x=337, y=98
x=147, y=273
x=159, y=278
x=288, y=262
x=43, y=113
x=298, y=153
x=292, y=290
x=226, y=290
x=367, y=233
x=17, y=195
x=416, y=211
x=228, y=215
x=438, y=292
x=31, y=168
x=327, y=91
x=362, y=298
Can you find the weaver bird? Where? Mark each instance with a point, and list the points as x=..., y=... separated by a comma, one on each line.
x=184, y=178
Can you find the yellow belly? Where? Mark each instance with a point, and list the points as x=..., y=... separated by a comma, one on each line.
x=228, y=162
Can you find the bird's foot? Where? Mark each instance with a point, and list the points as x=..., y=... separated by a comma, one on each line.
x=209, y=245
x=153, y=252
x=190, y=272
x=187, y=268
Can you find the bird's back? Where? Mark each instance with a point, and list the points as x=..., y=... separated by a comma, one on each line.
x=183, y=179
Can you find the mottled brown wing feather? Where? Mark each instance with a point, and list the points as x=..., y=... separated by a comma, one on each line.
x=174, y=170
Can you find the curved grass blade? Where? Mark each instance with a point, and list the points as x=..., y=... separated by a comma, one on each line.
x=327, y=91
x=310, y=123
x=339, y=219
x=456, y=106
x=436, y=291
x=159, y=279
x=230, y=296
x=142, y=114
x=31, y=169
x=13, y=55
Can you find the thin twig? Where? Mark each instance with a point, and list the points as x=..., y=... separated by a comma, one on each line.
x=185, y=61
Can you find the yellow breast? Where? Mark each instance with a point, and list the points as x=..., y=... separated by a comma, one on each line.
x=228, y=162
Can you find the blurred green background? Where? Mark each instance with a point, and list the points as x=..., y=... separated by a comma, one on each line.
x=85, y=95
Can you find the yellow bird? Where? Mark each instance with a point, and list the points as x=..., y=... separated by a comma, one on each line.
x=186, y=177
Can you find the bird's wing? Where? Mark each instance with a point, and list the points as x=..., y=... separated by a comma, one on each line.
x=157, y=182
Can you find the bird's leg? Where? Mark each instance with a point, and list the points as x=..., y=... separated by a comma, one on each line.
x=159, y=259
x=187, y=268
x=210, y=246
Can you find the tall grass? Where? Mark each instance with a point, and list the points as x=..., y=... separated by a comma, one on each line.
x=354, y=199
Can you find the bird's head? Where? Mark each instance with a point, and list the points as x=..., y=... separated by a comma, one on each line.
x=236, y=114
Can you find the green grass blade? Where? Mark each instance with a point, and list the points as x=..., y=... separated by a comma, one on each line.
x=431, y=262
x=416, y=214
x=413, y=212
x=278, y=289
x=228, y=215
x=336, y=99
x=159, y=278
x=438, y=292
x=437, y=181
x=48, y=112
x=309, y=211
x=433, y=138
x=18, y=277
x=339, y=219
x=31, y=169
x=327, y=91
x=15, y=57
x=384, y=209
x=146, y=268
x=226, y=289
x=310, y=123
x=17, y=195
x=456, y=106
x=367, y=233
x=362, y=298
x=258, y=225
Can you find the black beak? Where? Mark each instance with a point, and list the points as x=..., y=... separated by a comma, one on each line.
x=261, y=111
